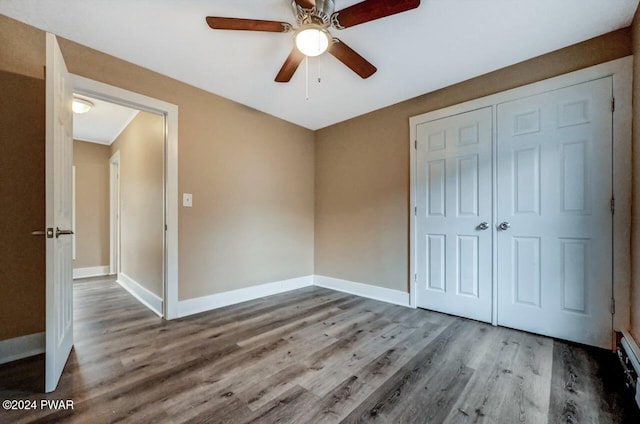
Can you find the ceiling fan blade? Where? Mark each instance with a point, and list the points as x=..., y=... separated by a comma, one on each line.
x=306, y=4
x=370, y=10
x=353, y=60
x=290, y=66
x=247, y=24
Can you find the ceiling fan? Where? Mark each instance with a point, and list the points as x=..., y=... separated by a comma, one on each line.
x=312, y=37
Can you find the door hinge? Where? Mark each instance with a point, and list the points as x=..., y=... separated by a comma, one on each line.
x=613, y=104
x=415, y=144
x=613, y=306
x=415, y=278
x=415, y=211
x=613, y=205
x=165, y=227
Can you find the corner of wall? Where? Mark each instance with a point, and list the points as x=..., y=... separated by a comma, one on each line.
x=635, y=184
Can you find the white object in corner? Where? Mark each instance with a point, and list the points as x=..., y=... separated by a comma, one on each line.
x=21, y=347
x=144, y=296
x=94, y=271
x=219, y=300
x=633, y=353
x=382, y=294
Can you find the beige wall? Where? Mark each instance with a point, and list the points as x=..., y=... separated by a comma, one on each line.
x=251, y=176
x=22, y=272
x=141, y=147
x=22, y=49
x=92, y=204
x=362, y=168
x=635, y=218
x=22, y=118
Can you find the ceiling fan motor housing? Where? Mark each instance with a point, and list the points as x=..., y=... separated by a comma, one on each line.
x=320, y=14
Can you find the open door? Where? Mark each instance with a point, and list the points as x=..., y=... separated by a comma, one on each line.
x=59, y=162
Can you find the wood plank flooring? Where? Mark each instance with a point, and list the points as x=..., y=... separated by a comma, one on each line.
x=313, y=356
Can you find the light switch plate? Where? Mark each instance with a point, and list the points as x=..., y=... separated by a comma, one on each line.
x=187, y=200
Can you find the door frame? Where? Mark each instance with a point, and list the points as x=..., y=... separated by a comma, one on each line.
x=621, y=71
x=114, y=213
x=73, y=212
x=110, y=93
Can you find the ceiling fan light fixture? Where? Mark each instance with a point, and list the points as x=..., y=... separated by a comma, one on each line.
x=312, y=41
x=81, y=106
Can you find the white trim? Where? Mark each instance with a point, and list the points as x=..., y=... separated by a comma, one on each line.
x=21, y=347
x=622, y=72
x=413, y=157
x=142, y=294
x=73, y=213
x=93, y=271
x=114, y=213
x=170, y=112
x=622, y=190
x=170, y=292
x=86, y=140
x=382, y=294
x=219, y=300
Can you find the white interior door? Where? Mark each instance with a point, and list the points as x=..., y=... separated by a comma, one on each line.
x=59, y=205
x=554, y=184
x=453, y=217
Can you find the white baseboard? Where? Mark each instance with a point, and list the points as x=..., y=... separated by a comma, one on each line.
x=144, y=296
x=21, y=347
x=219, y=300
x=382, y=294
x=94, y=271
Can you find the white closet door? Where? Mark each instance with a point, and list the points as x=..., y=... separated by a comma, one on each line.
x=554, y=180
x=453, y=194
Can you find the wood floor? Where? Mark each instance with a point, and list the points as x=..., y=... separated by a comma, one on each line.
x=313, y=356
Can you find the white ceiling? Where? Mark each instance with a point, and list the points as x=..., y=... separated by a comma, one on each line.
x=103, y=123
x=440, y=43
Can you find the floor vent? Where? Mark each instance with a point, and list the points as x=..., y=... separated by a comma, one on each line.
x=629, y=355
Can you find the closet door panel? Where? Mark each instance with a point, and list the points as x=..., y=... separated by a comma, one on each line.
x=453, y=198
x=554, y=186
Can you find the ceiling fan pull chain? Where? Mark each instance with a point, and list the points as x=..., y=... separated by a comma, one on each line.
x=319, y=70
x=306, y=76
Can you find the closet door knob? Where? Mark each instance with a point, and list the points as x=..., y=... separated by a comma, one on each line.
x=504, y=226
x=483, y=226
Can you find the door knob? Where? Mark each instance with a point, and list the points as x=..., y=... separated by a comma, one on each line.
x=483, y=226
x=60, y=232
x=504, y=226
x=48, y=233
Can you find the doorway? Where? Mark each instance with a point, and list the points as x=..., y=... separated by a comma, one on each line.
x=169, y=112
x=119, y=161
